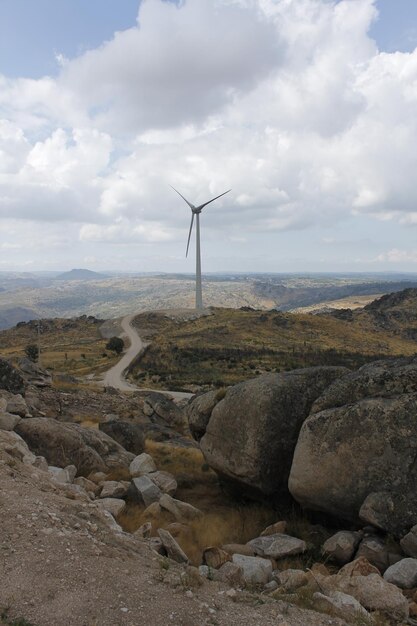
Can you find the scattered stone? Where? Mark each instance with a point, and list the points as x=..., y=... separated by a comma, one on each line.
x=141, y=465
x=238, y=548
x=41, y=463
x=88, y=485
x=374, y=550
x=156, y=544
x=64, y=475
x=146, y=490
x=340, y=605
x=113, y=505
x=277, y=546
x=409, y=542
x=17, y=405
x=256, y=571
x=372, y=592
x=291, y=579
x=130, y=436
x=341, y=546
x=359, y=567
x=215, y=557
x=113, y=489
x=277, y=528
x=180, y=510
x=8, y=421
x=165, y=481
x=97, y=477
x=153, y=511
x=144, y=531
x=271, y=586
x=174, y=551
x=167, y=410
x=232, y=574
x=403, y=574
x=14, y=445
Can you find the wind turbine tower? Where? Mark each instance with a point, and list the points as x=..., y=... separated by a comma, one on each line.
x=195, y=211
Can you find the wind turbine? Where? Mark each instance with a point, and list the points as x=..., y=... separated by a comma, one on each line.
x=196, y=210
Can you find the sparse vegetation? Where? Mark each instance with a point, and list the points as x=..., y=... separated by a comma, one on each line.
x=116, y=344
x=32, y=352
x=233, y=345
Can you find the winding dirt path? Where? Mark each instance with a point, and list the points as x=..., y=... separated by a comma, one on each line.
x=115, y=377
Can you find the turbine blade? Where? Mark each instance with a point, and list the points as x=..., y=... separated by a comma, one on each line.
x=213, y=199
x=185, y=199
x=189, y=234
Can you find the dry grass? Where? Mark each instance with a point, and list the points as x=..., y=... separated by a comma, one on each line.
x=233, y=345
x=73, y=347
x=224, y=520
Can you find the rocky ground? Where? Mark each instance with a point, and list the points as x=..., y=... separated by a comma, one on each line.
x=72, y=461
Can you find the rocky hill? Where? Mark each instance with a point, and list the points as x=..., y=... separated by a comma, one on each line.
x=229, y=346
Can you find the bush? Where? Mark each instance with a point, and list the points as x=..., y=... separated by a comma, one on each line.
x=115, y=344
x=32, y=352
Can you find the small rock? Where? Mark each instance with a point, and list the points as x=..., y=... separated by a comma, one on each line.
x=291, y=579
x=165, y=481
x=215, y=557
x=156, y=544
x=147, y=491
x=180, y=510
x=359, y=567
x=141, y=465
x=374, y=550
x=232, y=574
x=277, y=546
x=409, y=542
x=87, y=485
x=174, y=551
x=153, y=511
x=144, y=531
x=112, y=505
x=97, y=477
x=340, y=605
x=238, y=548
x=403, y=574
x=41, y=463
x=8, y=421
x=65, y=476
x=112, y=489
x=277, y=528
x=17, y=405
x=271, y=586
x=341, y=546
x=256, y=571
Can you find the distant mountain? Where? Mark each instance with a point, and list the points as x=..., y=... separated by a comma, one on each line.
x=81, y=274
x=10, y=316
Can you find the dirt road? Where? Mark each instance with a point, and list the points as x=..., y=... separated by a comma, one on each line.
x=115, y=377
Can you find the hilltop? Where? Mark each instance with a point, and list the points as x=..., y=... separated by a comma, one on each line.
x=232, y=345
x=81, y=274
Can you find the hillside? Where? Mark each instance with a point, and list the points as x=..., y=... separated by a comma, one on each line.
x=73, y=346
x=232, y=345
x=80, y=274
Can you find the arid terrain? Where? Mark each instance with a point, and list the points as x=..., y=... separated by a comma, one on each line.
x=24, y=297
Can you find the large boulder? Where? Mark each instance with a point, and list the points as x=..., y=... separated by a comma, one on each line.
x=130, y=436
x=65, y=444
x=366, y=443
x=252, y=432
x=10, y=378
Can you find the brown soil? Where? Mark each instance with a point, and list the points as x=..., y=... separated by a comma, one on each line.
x=62, y=565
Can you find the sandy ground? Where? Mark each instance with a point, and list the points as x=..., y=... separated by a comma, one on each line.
x=62, y=565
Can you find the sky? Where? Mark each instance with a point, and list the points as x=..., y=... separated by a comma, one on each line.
x=306, y=109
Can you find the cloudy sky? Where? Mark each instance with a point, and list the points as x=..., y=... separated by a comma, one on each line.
x=307, y=109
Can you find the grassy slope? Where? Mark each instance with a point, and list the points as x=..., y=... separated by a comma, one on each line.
x=233, y=345
x=71, y=346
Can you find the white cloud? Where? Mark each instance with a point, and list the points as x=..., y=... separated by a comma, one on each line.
x=288, y=102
